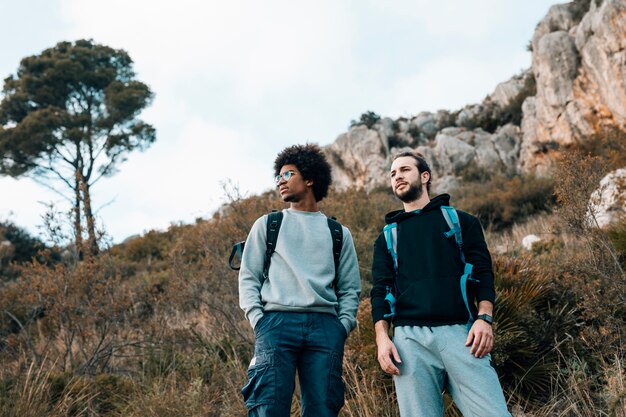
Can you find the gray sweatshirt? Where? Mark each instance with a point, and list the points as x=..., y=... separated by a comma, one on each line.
x=301, y=271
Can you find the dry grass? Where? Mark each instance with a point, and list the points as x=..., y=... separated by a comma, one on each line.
x=29, y=395
x=153, y=327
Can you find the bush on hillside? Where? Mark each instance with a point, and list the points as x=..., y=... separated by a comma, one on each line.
x=72, y=313
x=579, y=8
x=17, y=246
x=607, y=145
x=369, y=119
x=500, y=202
x=532, y=319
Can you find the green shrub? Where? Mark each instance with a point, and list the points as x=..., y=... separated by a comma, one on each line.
x=369, y=119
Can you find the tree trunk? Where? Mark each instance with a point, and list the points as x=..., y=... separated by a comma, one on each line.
x=91, y=228
x=78, y=230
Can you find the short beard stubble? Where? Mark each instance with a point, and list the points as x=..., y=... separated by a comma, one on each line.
x=413, y=193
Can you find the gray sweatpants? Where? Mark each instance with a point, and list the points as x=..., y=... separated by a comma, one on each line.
x=434, y=357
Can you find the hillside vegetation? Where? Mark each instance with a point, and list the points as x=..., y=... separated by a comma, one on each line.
x=152, y=327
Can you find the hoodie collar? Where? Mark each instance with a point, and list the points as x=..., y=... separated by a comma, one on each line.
x=434, y=204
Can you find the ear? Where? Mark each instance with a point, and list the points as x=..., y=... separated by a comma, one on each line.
x=308, y=183
x=425, y=177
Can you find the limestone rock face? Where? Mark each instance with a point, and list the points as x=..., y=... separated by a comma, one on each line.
x=608, y=202
x=426, y=123
x=507, y=91
x=559, y=18
x=452, y=153
x=456, y=148
x=601, y=40
x=580, y=70
x=359, y=158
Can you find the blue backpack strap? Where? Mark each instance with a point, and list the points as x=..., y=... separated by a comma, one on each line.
x=391, y=237
x=452, y=219
x=465, y=278
x=391, y=300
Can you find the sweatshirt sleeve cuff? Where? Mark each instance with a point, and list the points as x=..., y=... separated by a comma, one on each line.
x=254, y=316
x=347, y=325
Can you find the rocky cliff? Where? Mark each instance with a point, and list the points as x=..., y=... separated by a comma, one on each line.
x=580, y=69
x=575, y=88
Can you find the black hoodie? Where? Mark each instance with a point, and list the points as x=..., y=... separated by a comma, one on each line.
x=427, y=288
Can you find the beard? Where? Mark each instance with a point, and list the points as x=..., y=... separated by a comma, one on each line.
x=413, y=193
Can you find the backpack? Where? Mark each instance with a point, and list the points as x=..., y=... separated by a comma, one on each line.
x=274, y=221
x=390, y=232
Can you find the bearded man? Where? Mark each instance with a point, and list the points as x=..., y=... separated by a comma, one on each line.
x=432, y=275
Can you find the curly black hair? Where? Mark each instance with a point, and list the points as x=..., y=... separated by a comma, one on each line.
x=312, y=164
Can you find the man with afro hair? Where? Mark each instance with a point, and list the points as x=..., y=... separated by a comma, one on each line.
x=301, y=311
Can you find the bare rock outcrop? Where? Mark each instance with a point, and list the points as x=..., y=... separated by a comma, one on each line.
x=608, y=202
x=362, y=156
x=359, y=158
x=580, y=71
x=506, y=92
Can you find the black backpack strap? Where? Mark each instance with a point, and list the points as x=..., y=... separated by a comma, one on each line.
x=274, y=219
x=237, y=250
x=336, y=232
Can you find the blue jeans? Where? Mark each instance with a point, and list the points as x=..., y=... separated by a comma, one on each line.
x=436, y=357
x=313, y=344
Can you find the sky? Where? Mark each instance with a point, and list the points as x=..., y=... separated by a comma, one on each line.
x=237, y=81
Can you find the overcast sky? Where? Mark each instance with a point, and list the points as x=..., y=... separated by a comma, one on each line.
x=237, y=81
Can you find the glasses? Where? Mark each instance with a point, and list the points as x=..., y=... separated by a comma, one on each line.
x=285, y=175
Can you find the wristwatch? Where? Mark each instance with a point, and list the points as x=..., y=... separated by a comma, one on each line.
x=485, y=317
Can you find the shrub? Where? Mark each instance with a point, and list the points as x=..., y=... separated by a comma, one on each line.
x=21, y=247
x=617, y=235
x=72, y=313
x=472, y=172
x=369, y=119
x=608, y=146
x=579, y=8
x=501, y=202
x=530, y=323
x=445, y=118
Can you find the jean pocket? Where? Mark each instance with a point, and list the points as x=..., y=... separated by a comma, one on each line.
x=269, y=321
x=261, y=386
x=336, y=389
